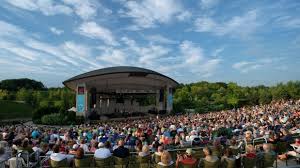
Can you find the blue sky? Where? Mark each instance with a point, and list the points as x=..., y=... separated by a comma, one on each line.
x=248, y=42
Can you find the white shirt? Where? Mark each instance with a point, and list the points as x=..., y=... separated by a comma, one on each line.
x=85, y=148
x=49, y=153
x=53, y=136
x=102, y=153
x=192, y=137
x=13, y=162
x=58, y=156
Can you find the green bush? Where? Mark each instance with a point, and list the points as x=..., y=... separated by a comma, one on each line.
x=52, y=119
x=59, y=119
x=44, y=103
x=58, y=104
x=39, y=112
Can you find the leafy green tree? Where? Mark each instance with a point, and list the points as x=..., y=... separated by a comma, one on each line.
x=265, y=96
x=16, y=84
x=232, y=100
x=24, y=95
x=3, y=94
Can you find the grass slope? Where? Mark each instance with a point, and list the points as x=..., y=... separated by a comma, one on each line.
x=14, y=110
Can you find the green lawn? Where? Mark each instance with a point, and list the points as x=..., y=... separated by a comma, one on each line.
x=14, y=110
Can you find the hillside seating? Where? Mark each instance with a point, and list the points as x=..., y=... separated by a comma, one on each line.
x=104, y=163
x=143, y=162
x=62, y=163
x=268, y=160
x=121, y=162
x=249, y=162
x=208, y=164
x=229, y=163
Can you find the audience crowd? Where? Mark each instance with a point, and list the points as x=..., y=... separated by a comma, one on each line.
x=157, y=137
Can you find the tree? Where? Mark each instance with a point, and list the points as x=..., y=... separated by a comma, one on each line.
x=17, y=84
x=232, y=100
x=265, y=96
x=25, y=95
x=3, y=94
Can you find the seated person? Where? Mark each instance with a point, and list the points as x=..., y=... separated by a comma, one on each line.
x=268, y=156
x=250, y=152
x=121, y=151
x=138, y=146
x=93, y=147
x=84, y=146
x=186, y=159
x=208, y=155
x=102, y=152
x=13, y=162
x=74, y=149
x=285, y=135
x=145, y=151
x=160, y=150
x=295, y=152
x=3, y=157
x=26, y=146
x=56, y=156
x=166, y=159
x=248, y=139
x=79, y=154
x=228, y=156
x=233, y=144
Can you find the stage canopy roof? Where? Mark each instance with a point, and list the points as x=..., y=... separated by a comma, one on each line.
x=122, y=79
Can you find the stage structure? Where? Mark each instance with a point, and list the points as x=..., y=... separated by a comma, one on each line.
x=116, y=91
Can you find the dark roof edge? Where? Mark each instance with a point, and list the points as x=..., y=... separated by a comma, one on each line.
x=149, y=72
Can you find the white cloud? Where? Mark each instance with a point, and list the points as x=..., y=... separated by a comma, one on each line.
x=205, y=24
x=47, y=7
x=95, y=31
x=246, y=66
x=152, y=53
x=149, y=13
x=288, y=22
x=86, y=9
x=113, y=56
x=146, y=55
x=217, y=51
x=238, y=26
x=160, y=39
x=206, y=4
x=8, y=29
x=51, y=50
x=209, y=67
x=19, y=51
x=56, y=31
x=184, y=16
x=81, y=52
x=192, y=53
x=194, y=58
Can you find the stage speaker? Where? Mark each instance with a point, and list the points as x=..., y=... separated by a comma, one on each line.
x=161, y=95
x=93, y=97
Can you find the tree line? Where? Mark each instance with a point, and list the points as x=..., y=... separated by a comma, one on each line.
x=205, y=97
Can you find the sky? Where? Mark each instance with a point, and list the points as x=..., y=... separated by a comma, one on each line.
x=248, y=42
